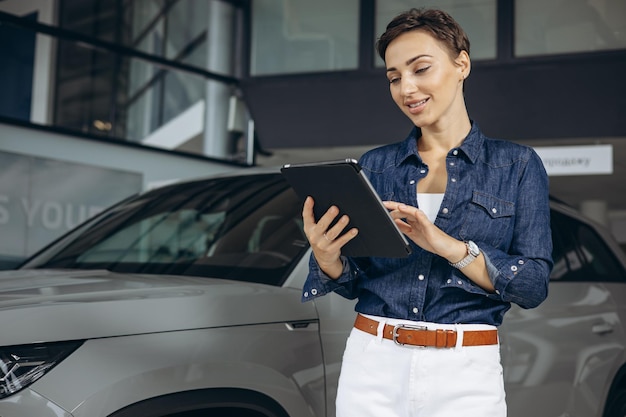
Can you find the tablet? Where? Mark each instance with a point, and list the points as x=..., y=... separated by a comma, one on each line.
x=343, y=184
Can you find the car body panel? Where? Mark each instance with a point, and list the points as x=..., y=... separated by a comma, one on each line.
x=96, y=304
x=555, y=358
x=281, y=362
x=28, y=403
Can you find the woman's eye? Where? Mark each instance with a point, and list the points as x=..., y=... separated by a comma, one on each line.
x=421, y=70
x=394, y=80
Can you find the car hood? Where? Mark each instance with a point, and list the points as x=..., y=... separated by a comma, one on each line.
x=39, y=305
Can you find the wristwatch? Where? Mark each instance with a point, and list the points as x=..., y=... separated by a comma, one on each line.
x=472, y=253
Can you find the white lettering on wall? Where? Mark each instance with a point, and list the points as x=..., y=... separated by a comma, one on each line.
x=30, y=209
x=52, y=215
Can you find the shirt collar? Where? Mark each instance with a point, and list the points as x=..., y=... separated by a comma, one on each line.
x=470, y=146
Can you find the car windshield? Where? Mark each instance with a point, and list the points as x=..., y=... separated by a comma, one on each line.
x=246, y=228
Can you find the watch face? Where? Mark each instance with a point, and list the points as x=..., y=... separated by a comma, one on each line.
x=473, y=248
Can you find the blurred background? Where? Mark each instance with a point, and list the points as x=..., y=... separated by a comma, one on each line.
x=105, y=98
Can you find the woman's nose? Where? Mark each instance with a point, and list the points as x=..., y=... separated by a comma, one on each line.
x=409, y=86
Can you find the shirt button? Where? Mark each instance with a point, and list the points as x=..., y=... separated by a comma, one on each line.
x=513, y=268
x=494, y=210
x=445, y=210
x=455, y=152
x=498, y=292
x=521, y=262
x=451, y=164
x=453, y=180
x=449, y=280
x=420, y=277
x=415, y=310
x=459, y=282
x=306, y=294
x=422, y=171
x=412, y=182
x=313, y=291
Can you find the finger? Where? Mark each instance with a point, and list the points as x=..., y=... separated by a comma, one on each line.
x=391, y=205
x=336, y=238
x=403, y=226
x=397, y=215
x=399, y=210
x=346, y=237
x=410, y=213
x=334, y=235
x=307, y=211
x=326, y=220
x=337, y=228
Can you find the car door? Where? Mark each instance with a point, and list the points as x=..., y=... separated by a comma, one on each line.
x=559, y=359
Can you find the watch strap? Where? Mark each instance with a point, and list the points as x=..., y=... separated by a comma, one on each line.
x=465, y=261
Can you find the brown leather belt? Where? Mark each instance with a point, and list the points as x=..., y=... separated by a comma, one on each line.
x=409, y=334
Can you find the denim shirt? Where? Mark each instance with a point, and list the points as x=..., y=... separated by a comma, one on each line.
x=496, y=195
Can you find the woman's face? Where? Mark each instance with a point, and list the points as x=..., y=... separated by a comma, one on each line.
x=425, y=83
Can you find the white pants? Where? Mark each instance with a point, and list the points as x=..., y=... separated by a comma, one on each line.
x=381, y=379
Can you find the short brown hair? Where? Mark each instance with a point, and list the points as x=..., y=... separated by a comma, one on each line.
x=436, y=22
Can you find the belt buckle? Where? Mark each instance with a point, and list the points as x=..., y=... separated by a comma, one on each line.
x=406, y=327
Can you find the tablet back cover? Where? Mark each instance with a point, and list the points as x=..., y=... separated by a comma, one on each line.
x=343, y=184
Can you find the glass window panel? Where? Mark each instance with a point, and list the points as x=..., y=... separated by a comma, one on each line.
x=186, y=21
x=477, y=17
x=141, y=73
x=297, y=36
x=143, y=113
x=181, y=91
x=156, y=96
x=197, y=56
x=17, y=49
x=144, y=13
x=151, y=42
x=96, y=18
x=86, y=88
x=567, y=26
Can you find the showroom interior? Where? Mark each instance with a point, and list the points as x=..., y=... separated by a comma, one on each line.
x=106, y=98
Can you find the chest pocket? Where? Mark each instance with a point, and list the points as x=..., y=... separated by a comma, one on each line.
x=488, y=219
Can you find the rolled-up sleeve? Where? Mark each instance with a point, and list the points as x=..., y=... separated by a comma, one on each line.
x=519, y=279
x=318, y=283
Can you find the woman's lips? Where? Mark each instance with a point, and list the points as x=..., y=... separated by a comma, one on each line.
x=417, y=106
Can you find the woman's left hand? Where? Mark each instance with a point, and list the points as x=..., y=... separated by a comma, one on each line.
x=415, y=225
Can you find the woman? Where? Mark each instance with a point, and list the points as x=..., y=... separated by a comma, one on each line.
x=476, y=210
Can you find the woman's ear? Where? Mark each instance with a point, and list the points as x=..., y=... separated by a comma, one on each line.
x=464, y=64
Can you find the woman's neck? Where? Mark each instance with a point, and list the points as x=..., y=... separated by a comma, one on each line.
x=444, y=135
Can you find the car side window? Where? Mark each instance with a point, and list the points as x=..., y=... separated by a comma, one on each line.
x=580, y=254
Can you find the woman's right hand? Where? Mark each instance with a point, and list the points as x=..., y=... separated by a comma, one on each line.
x=324, y=239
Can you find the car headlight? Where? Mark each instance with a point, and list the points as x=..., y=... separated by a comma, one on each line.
x=22, y=365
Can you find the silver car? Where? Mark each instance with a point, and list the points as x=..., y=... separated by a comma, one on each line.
x=184, y=301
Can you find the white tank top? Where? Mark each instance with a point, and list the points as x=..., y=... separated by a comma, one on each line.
x=429, y=204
